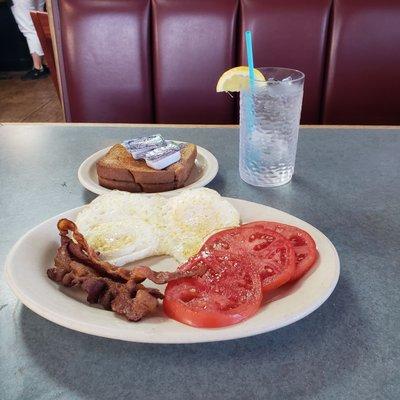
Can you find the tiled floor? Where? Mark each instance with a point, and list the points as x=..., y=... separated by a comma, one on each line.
x=28, y=101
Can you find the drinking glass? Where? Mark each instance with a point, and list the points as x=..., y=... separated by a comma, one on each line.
x=269, y=126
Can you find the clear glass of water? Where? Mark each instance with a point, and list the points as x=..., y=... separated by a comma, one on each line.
x=269, y=126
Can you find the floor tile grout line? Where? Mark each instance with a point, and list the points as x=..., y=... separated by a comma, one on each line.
x=28, y=108
x=35, y=110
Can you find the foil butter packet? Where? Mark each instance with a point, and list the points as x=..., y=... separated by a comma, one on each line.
x=162, y=157
x=155, y=150
x=139, y=147
x=180, y=145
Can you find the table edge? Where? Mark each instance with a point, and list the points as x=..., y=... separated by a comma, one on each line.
x=185, y=126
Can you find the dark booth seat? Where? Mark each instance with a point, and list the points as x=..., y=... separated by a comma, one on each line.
x=290, y=33
x=193, y=41
x=104, y=55
x=363, y=75
x=159, y=61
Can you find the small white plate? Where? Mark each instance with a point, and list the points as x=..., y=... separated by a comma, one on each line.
x=28, y=260
x=204, y=171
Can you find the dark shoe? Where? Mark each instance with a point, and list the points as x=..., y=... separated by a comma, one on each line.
x=36, y=74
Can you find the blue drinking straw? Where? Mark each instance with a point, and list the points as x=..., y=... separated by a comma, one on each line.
x=250, y=60
x=250, y=63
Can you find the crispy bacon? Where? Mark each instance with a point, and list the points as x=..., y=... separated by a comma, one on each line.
x=76, y=264
x=85, y=253
x=129, y=299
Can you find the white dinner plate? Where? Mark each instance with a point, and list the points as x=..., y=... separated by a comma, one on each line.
x=204, y=171
x=28, y=260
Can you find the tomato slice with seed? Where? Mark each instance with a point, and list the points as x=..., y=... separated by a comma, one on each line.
x=228, y=293
x=267, y=251
x=303, y=244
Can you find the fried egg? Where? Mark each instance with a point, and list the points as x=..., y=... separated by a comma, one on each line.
x=191, y=217
x=125, y=227
x=117, y=205
x=123, y=241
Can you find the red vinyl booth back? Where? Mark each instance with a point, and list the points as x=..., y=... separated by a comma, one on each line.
x=104, y=56
x=363, y=74
x=159, y=61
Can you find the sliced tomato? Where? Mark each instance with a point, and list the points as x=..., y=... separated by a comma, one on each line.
x=267, y=251
x=229, y=292
x=303, y=244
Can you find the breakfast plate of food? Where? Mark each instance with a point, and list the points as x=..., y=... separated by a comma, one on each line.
x=195, y=267
x=148, y=164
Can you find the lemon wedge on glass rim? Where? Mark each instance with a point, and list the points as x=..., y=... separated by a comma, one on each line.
x=237, y=79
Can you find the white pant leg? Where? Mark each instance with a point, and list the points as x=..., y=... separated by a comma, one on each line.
x=21, y=10
x=40, y=5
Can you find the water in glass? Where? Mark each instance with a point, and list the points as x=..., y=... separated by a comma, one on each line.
x=269, y=125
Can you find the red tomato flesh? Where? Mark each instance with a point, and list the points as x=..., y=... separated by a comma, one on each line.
x=242, y=263
x=226, y=294
x=269, y=253
x=303, y=244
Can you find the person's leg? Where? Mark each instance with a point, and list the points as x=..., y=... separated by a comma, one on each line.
x=40, y=7
x=21, y=11
x=37, y=61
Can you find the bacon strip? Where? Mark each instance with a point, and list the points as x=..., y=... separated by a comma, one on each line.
x=85, y=253
x=118, y=289
x=129, y=299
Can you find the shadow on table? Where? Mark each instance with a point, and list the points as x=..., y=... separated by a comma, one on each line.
x=295, y=362
x=88, y=196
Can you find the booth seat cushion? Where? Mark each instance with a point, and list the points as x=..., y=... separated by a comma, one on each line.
x=363, y=76
x=293, y=34
x=193, y=44
x=104, y=54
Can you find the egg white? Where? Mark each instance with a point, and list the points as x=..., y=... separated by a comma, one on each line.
x=122, y=227
x=125, y=227
x=191, y=217
x=123, y=241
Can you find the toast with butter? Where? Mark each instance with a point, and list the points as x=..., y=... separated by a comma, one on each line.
x=119, y=170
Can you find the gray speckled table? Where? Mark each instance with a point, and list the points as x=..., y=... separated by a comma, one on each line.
x=346, y=184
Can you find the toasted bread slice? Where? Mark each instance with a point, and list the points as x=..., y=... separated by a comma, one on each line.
x=119, y=185
x=118, y=164
x=118, y=168
x=184, y=166
x=135, y=187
